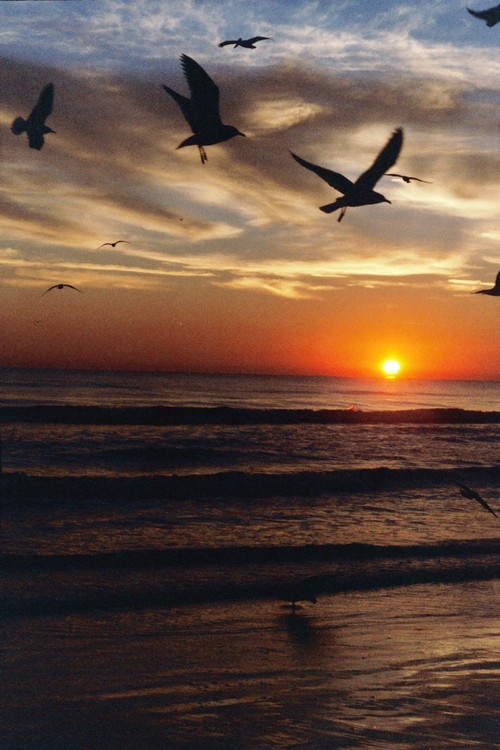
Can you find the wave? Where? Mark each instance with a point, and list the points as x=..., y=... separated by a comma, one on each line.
x=26, y=488
x=173, y=415
x=138, y=579
x=247, y=555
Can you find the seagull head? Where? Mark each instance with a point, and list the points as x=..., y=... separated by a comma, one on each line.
x=232, y=131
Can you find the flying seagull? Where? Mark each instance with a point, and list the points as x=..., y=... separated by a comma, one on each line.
x=361, y=192
x=494, y=291
x=61, y=286
x=406, y=178
x=35, y=126
x=248, y=43
x=473, y=495
x=113, y=244
x=202, y=109
x=491, y=16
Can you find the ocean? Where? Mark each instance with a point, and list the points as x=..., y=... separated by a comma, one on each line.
x=156, y=528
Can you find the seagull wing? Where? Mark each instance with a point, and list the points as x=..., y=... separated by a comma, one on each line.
x=204, y=96
x=73, y=287
x=183, y=102
x=257, y=39
x=497, y=281
x=50, y=289
x=43, y=107
x=384, y=161
x=230, y=41
x=473, y=495
x=334, y=179
x=490, y=15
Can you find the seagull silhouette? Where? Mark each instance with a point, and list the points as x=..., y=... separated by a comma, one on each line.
x=359, y=193
x=113, y=244
x=248, y=43
x=35, y=126
x=406, y=178
x=61, y=286
x=491, y=16
x=473, y=495
x=300, y=591
x=494, y=291
x=202, y=109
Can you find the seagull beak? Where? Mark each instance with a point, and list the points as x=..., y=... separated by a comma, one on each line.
x=240, y=133
x=388, y=201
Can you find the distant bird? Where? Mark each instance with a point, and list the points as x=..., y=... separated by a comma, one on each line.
x=113, y=244
x=473, y=495
x=61, y=286
x=248, y=43
x=491, y=16
x=406, y=178
x=494, y=291
x=202, y=109
x=35, y=126
x=359, y=193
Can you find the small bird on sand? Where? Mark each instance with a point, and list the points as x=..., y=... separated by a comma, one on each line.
x=248, y=43
x=113, y=244
x=300, y=591
x=491, y=15
x=494, y=291
x=61, y=286
x=35, y=126
x=359, y=193
x=202, y=109
x=473, y=495
x=406, y=178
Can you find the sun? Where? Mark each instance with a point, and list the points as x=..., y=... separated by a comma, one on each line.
x=391, y=367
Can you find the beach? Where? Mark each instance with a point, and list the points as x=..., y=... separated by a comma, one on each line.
x=156, y=530
x=411, y=667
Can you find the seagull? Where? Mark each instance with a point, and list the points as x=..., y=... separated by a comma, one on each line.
x=406, y=178
x=202, y=109
x=301, y=591
x=473, y=495
x=113, y=244
x=248, y=43
x=35, y=126
x=494, y=291
x=359, y=193
x=61, y=286
x=491, y=16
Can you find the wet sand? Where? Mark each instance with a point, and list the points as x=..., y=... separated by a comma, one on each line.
x=407, y=667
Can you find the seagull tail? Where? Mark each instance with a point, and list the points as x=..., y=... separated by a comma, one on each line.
x=329, y=208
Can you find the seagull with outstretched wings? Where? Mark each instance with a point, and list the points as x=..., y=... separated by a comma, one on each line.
x=61, y=286
x=201, y=110
x=248, y=43
x=35, y=126
x=361, y=192
x=406, y=178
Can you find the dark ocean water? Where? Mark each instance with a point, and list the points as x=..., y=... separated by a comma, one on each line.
x=299, y=476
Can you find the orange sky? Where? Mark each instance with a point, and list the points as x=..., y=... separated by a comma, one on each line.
x=230, y=266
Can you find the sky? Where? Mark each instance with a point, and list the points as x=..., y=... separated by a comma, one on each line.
x=230, y=266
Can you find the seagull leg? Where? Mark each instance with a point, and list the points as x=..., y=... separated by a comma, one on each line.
x=342, y=213
x=203, y=155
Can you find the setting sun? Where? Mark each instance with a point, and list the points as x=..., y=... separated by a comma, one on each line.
x=391, y=367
